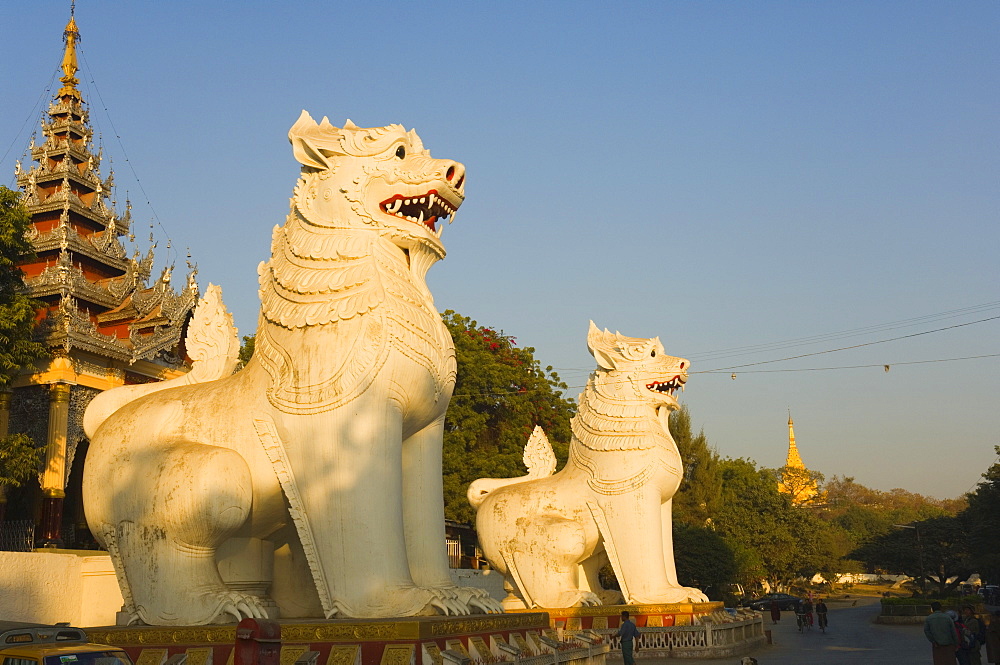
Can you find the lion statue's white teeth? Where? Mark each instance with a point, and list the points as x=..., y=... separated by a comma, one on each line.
x=551, y=534
x=251, y=495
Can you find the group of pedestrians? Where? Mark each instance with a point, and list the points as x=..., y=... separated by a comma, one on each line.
x=959, y=638
x=803, y=613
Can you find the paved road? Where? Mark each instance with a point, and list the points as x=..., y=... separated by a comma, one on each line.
x=851, y=639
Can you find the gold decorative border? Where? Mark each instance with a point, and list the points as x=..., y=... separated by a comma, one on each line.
x=154, y=635
x=487, y=624
x=640, y=610
x=344, y=630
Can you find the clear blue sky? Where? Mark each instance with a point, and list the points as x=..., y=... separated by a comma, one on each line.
x=726, y=175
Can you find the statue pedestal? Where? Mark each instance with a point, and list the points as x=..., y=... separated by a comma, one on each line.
x=405, y=641
x=603, y=617
x=681, y=630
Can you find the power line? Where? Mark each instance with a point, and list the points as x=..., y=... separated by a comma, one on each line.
x=773, y=346
x=121, y=145
x=743, y=350
x=757, y=371
x=823, y=369
x=33, y=114
x=854, y=346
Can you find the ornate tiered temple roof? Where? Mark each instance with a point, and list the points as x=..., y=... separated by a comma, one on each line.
x=97, y=298
x=102, y=317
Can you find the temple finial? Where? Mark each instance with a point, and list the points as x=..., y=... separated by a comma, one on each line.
x=69, y=66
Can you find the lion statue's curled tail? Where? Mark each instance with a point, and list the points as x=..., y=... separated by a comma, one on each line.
x=212, y=344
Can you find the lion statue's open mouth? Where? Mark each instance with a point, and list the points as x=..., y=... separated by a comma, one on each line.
x=669, y=387
x=427, y=209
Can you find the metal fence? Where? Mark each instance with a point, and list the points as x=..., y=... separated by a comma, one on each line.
x=17, y=536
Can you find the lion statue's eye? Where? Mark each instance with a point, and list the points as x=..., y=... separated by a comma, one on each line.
x=401, y=152
x=652, y=354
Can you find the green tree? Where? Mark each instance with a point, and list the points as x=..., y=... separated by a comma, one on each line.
x=864, y=514
x=698, y=497
x=933, y=550
x=501, y=393
x=771, y=538
x=246, y=351
x=982, y=519
x=704, y=560
x=19, y=461
x=17, y=310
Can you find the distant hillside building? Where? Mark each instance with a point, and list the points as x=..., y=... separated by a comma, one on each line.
x=104, y=324
x=796, y=480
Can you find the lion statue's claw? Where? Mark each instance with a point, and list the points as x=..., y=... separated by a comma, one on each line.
x=239, y=606
x=486, y=604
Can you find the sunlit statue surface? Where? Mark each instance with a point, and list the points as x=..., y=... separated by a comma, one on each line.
x=308, y=484
x=551, y=534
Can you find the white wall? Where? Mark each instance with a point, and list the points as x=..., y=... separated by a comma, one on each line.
x=44, y=587
x=48, y=587
x=490, y=580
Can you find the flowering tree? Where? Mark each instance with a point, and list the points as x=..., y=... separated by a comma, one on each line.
x=501, y=393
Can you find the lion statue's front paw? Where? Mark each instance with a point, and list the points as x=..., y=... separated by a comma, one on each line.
x=479, y=601
x=678, y=594
x=571, y=598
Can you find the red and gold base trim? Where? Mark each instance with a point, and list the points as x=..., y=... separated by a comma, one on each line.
x=644, y=616
x=406, y=641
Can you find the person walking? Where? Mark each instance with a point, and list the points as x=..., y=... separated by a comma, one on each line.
x=940, y=632
x=628, y=632
x=993, y=638
x=807, y=609
x=821, y=614
x=974, y=645
x=775, y=612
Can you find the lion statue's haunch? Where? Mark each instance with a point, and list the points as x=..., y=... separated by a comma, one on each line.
x=551, y=534
x=309, y=483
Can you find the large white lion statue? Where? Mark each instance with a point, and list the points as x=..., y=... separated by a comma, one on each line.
x=551, y=534
x=309, y=483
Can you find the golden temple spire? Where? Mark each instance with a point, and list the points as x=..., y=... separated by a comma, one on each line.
x=794, y=460
x=70, y=37
x=796, y=480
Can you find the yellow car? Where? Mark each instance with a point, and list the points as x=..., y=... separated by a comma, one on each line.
x=38, y=644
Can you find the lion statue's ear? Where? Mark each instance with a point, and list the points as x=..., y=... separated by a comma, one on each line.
x=314, y=144
x=600, y=348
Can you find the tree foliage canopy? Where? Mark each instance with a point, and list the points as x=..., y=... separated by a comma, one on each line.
x=700, y=492
x=17, y=310
x=501, y=393
x=246, y=350
x=704, y=559
x=982, y=519
x=19, y=460
x=773, y=539
x=935, y=550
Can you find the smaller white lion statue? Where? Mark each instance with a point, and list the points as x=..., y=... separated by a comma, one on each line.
x=550, y=534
